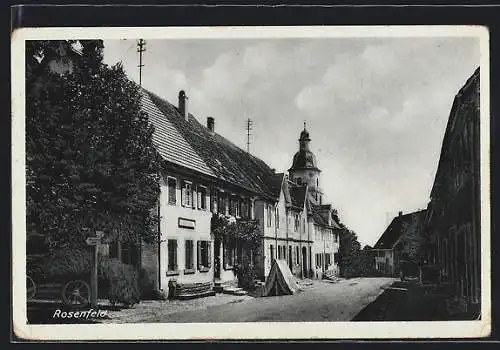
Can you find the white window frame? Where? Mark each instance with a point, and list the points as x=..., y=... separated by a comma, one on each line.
x=201, y=203
x=168, y=190
x=184, y=195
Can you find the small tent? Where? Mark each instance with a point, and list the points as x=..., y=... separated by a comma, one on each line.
x=280, y=280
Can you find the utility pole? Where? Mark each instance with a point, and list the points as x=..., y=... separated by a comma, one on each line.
x=141, y=47
x=249, y=123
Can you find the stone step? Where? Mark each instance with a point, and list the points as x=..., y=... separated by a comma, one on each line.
x=232, y=290
x=196, y=295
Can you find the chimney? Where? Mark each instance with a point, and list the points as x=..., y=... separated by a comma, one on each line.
x=210, y=124
x=400, y=213
x=183, y=104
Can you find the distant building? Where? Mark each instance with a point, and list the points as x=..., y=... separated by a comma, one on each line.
x=387, y=250
x=453, y=214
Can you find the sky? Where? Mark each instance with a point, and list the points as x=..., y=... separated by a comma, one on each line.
x=376, y=108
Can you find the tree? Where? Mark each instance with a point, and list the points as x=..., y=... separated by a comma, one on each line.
x=354, y=261
x=411, y=244
x=91, y=164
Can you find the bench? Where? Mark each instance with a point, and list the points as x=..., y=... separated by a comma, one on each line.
x=184, y=291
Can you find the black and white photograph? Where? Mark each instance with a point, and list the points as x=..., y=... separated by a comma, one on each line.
x=273, y=182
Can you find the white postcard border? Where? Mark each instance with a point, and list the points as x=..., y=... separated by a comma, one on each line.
x=258, y=330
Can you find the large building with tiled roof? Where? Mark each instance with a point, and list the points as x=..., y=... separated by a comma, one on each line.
x=206, y=174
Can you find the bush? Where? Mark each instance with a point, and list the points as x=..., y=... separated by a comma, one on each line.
x=246, y=276
x=123, y=283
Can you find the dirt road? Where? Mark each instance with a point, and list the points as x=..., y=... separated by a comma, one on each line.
x=323, y=301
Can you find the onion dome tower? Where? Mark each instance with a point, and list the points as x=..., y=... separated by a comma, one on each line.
x=305, y=169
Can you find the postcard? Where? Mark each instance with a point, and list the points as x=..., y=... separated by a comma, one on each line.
x=203, y=183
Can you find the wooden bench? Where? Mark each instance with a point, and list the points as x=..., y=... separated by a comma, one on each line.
x=184, y=291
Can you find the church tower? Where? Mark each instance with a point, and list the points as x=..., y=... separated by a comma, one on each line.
x=305, y=170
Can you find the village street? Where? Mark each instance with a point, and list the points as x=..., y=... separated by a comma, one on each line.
x=322, y=301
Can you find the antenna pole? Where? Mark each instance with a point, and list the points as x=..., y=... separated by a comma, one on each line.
x=249, y=128
x=141, y=47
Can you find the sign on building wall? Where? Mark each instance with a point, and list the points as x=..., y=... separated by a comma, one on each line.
x=187, y=223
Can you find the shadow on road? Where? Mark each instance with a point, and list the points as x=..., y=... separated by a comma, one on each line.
x=406, y=302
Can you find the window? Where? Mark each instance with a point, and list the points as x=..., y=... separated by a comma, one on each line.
x=277, y=217
x=189, y=255
x=202, y=197
x=245, y=209
x=271, y=249
x=231, y=207
x=327, y=259
x=229, y=255
x=296, y=255
x=335, y=238
x=268, y=212
x=221, y=204
x=279, y=252
x=171, y=182
x=213, y=200
x=204, y=254
x=234, y=207
x=296, y=223
x=172, y=255
x=299, y=181
x=187, y=194
x=126, y=251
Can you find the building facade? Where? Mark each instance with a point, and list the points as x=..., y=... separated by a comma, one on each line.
x=387, y=250
x=204, y=175
x=453, y=220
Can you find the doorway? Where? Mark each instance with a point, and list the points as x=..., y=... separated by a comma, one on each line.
x=304, y=262
x=217, y=267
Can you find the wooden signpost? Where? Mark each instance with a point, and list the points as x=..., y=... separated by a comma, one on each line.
x=94, y=241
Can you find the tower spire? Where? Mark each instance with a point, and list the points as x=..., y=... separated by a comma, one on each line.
x=304, y=125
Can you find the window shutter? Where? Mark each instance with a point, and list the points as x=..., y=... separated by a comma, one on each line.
x=175, y=255
x=194, y=197
x=198, y=254
x=183, y=195
x=209, y=253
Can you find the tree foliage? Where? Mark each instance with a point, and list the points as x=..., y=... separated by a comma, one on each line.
x=243, y=232
x=90, y=161
x=354, y=261
x=412, y=244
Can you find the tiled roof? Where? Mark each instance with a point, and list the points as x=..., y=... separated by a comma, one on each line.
x=395, y=230
x=169, y=142
x=273, y=183
x=213, y=154
x=320, y=219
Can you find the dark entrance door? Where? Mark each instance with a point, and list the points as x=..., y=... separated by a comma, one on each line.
x=217, y=259
x=304, y=262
